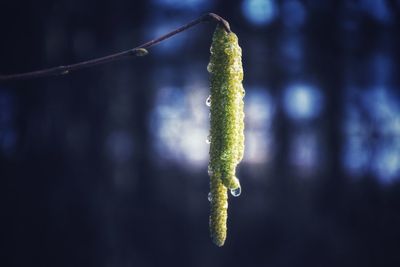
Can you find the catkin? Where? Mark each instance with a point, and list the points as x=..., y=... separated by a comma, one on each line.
x=219, y=210
x=226, y=126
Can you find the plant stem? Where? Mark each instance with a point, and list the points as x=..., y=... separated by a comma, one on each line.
x=137, y=51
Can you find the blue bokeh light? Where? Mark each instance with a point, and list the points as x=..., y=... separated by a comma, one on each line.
x=185, y=5
x=387, y=163
x=179, y=125
x=293, y=13
x=372, y=134
x=356, y=151
x=260, y=12
x=260, y=107
x=380, y=68
x=377, y=9
x=302, y=101
x=174, y=45
x=291, y=48
x=305, y=149
x=260, y=111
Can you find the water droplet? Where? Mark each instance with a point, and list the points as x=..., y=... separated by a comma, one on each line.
x=209, y=67
x=208, y=140
x=209, y=196
x=236, y=192
x=208, y=101
x=210, y=171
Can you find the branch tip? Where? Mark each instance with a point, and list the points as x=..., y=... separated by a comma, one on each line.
x=220, y=20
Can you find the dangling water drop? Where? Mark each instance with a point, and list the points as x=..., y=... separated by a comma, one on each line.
x=208, y=140
x=236, y=192
x=209, y=67
x=210, y=171
x=209, y=196
x=208, y=101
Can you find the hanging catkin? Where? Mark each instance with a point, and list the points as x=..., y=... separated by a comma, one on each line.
x=226, y=126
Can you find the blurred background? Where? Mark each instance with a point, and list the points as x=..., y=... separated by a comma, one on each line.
x=108, y=166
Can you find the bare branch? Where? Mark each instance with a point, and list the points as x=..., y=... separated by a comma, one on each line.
x=141, y=50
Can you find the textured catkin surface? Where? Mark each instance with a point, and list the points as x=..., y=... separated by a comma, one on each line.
x=226, y=125
x=226, y=149
x=219, y=211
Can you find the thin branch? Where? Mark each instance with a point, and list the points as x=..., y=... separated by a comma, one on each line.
x=141, y=50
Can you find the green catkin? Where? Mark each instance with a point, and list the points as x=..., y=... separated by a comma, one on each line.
x=226, y=148
x=219, y=210
x=226, y=126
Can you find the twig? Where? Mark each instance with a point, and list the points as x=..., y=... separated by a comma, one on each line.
x=141, y=50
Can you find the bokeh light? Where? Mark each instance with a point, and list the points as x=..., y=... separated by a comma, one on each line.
x=356, y=150
x=304, y=151
x=302, y=101
x=372, y=134
x=377, y=9
x=387, y=163
x=179, y=125
x=291, y=51
x=194, y=5
x=162, y=26
x=380, y=67
x=293, y=14
x=260, y=12
x=260, y=111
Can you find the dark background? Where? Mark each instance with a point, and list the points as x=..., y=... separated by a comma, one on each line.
x=108, y=166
